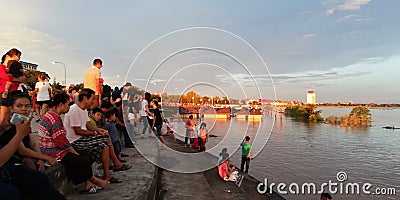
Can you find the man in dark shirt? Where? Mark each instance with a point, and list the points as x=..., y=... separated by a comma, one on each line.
x=157, y=120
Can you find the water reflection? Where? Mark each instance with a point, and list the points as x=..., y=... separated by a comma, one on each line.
x=300, y=152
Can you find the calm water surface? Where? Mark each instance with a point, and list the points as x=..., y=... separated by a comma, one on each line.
x=298, y=152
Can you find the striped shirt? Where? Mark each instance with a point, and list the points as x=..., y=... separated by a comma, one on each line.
x=52, y=136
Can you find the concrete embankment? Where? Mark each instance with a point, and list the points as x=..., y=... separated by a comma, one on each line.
x=204, y=185
x=147, y=181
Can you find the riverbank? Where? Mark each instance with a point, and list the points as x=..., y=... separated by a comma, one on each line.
x=204, y=185
x=147, y=181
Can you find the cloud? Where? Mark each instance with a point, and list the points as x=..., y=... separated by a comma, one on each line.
x=373, y=60
x=304, y=12
x=330, y=11
x=347, y=17
x=353, y=4
x=362, y=19
x=295, y=53
x=244, y=79
x=348, y=5
x=311, y=35
x=317, y=76
x=353, y=32
x=43, y=48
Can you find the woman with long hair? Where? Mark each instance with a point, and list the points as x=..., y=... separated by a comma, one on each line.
x=12, y=54
x=43, y=91
x=203, y=134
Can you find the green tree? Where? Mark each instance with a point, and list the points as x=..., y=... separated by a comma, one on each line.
x=359, y=116
x=193, y=97
x=135, y=90
x=183, y=99
x=307, y=113
x=171, y=98
x=225, y=100
x=79, y=86
x=56, y=87
x=216, y=100
x=32, y=77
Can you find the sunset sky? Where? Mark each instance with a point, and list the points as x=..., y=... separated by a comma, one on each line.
x=345, y=50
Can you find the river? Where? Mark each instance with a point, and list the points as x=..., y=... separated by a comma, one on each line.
x=298, y=152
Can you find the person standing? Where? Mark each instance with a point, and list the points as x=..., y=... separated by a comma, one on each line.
x=190, y=126
x=203, y=133
x=43, y=91
x=144, y=113
x=246, y=154
x=157, y=121
x=12, y=54
x=92, y=80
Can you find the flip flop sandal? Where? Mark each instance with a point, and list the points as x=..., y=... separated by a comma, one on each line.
x=99, y=187
x=114, y=180
x=91, y=190
x=122, y=168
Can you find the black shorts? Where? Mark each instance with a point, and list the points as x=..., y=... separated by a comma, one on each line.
x=5, y=101
x=40, y=103
x=158, y=130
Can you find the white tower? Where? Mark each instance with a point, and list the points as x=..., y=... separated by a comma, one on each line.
x=311, y=97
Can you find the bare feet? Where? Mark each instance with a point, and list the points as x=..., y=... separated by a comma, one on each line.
x=99, y=182
x=103, y=183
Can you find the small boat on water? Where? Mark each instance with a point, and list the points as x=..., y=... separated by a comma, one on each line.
x=390, y=127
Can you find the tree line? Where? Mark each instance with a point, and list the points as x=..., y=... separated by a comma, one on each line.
x=358, y=117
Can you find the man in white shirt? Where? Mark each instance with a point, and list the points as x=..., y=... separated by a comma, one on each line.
x=86, y=138
x=92, y=80
x=144, y=112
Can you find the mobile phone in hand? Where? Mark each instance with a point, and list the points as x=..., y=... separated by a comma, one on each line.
x=16, y=117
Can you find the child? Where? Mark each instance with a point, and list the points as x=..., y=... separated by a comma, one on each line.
x=203, y=136
x=170, y=127
x=228, y=172
x=113, y=133
x=133, y=118
x=97, y=113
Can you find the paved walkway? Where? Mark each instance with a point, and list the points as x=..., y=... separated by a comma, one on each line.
x=204, y=185
x=146, y=181
x=137, y=182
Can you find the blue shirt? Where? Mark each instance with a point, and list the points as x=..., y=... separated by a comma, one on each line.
x=112, y=131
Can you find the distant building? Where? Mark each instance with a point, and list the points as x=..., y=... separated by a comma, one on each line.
x=311, y=97
x=29, y=66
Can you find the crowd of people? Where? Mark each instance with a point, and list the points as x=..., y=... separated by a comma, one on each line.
x=89, y=132
x=93, y=129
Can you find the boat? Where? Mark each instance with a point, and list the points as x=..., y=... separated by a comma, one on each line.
x=390, y=127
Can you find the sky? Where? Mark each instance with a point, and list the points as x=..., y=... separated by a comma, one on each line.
x=344, y=50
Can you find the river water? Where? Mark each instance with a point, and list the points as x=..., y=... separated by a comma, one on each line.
x=297, y=152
